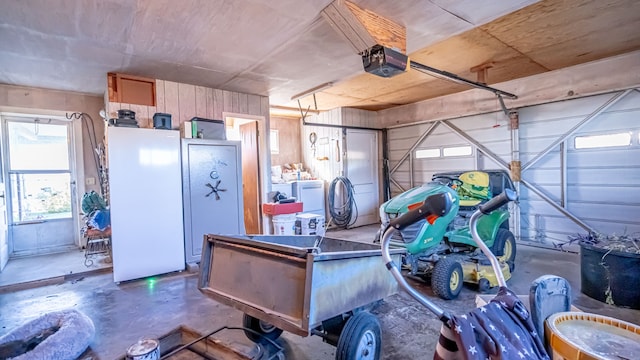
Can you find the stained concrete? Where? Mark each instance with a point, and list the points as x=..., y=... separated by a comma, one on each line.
x=34, y=271
x=155, y=306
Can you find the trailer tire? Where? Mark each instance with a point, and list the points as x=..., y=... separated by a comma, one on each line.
x=360, y=338
x=447, y=278
x=505, y=246
x=263, y=328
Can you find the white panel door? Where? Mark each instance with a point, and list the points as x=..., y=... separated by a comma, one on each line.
x=362, y=171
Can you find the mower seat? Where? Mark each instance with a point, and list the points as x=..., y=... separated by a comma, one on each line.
x=474, y=189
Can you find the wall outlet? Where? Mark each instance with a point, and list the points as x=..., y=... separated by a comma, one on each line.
x=90, y=181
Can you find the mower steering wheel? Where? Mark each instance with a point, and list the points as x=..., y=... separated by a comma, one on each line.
x=453, y=182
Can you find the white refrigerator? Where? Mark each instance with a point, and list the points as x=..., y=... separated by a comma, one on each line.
x=145, y=191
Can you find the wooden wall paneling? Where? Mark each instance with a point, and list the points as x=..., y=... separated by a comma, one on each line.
x=160, y=96
x=112, y=109
x=227, y=102
x=171, y=105
x=218, y=104
x=254, y=103
x=243, y=103
x=186, y=102
x=152, y=110
x=201, y=102
x=142, y=113
x=235, y=102
x=209, y=102
x=264, y=107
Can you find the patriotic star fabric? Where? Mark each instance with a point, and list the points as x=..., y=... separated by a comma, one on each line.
x=502, y=329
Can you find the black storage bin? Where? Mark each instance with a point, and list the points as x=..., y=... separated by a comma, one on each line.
x=208, y=129
x=610, y=275
x=162, y=121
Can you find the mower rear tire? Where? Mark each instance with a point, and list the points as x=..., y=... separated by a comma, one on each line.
x=505, y=246
x=360, y=338
x=484, y=285
x=447, y=278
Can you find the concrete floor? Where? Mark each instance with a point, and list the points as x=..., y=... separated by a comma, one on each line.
x=34, y=271
x=153, y=307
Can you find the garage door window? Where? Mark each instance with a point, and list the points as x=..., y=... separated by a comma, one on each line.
x=601, y=141
x=457, y=151
x=427, y=153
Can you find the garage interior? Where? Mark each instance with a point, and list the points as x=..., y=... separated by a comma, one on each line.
x=285, y=96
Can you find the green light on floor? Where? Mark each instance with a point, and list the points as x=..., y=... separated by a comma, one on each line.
x=151, y=283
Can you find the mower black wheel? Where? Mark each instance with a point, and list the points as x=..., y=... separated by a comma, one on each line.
x=484, y=285
x=447, y=278
x=360, y=338
x=505, y=247
x=263, y=329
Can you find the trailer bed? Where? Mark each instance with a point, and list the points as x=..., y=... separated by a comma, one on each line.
x=294, y=282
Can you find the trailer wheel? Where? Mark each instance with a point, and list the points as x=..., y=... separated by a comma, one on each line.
x=360, y=338
x=261, y=327
x=505, y=247
x=446, y=278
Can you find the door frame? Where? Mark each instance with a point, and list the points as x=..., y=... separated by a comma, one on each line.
x=76, y=164
x=264, y=160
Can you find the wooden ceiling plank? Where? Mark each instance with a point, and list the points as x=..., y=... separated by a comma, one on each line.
x=347, y=25
x=362, y=28
x=383, y=30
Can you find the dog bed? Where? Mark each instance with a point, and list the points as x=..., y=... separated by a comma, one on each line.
x=58, y=335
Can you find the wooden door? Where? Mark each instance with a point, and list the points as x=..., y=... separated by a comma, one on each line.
x=251, y=177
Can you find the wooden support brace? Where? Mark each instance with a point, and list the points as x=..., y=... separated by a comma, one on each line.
x=482, y=71
x=363, y=28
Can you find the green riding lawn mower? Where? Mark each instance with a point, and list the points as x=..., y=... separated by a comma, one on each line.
x=442, y=250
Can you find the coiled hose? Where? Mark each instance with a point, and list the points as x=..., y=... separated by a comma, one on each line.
x=342, y=215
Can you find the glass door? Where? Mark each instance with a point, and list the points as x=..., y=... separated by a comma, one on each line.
x=40, y=186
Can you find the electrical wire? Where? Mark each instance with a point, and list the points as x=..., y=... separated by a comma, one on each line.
x=346, y=213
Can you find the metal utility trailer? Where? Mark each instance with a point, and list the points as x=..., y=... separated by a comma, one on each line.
x=306, y=285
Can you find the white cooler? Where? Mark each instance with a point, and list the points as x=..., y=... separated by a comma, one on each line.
x=309, y=224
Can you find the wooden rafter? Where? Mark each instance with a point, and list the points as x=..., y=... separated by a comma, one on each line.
x=363, y=28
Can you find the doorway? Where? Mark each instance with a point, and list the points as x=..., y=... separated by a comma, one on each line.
x=245, y=130
x=40, y=186
x=362, y=170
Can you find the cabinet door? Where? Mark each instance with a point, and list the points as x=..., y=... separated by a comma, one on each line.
x=213, y=193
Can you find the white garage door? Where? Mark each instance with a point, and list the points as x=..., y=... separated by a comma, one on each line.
x=569, y=189
x=417, y=152
x=591, y=171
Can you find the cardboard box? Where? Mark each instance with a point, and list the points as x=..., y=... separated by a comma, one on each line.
x=279, y=209
x=310, y=224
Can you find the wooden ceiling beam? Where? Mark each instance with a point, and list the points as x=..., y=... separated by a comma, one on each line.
x=363, y=29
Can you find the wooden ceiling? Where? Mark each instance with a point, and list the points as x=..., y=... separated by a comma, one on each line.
x=545, y=36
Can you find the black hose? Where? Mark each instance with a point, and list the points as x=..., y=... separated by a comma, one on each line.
x=345, y=214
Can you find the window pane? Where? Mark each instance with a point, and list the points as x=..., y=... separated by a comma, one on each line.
x=35, y=146
x=596, y=141
x=427, y=153
x=40, y=196
x=457, y=151
x=275, y=142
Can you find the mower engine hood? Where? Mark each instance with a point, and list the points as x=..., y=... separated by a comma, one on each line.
x=399, y=204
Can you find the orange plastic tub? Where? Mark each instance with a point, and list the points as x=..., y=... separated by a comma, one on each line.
x=585, y=336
